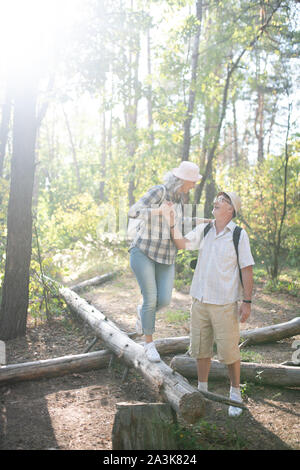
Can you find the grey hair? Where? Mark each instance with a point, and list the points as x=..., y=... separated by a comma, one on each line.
x=172, y=184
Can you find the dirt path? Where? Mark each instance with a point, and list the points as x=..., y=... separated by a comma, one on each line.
x=76, y=412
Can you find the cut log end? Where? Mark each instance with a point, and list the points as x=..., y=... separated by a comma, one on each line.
x=192, y=407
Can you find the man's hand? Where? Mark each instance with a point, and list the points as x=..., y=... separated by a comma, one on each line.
x=244, y=312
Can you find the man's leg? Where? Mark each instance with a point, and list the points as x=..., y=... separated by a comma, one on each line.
x=203, y=367
x=201, y=347
x=234, y=373
x=235, y=392
x=226, y=327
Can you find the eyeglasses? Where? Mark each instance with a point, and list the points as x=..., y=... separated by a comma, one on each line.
x=222, y=199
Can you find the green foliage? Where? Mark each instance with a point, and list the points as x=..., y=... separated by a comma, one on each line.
x=208, y=436
x=184, y=273
x=44, y=301
x=250, y=356
x=261, y=189
x=176, y=316
x=71, y=222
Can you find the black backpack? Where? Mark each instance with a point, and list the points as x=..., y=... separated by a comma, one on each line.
x=236, y=239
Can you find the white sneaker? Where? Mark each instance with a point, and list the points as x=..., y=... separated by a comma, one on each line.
x=138, y=324
x=151, y=352
x=203, y=386
x=235, y=411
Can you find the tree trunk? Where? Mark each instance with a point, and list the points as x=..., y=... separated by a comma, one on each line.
x=231, y=67
x=131, y=112
x=192, y=92
x=277, y=245
x=235, y=133
x=54, y=367
x=95, y=281
x=73, y=150
x=272, y=333
x=6, y=112
x=183, y=398
x=144, y=426
x=14, y=304
x=267, y=334
x=259, y=126
x=103, y=149
x=210, y=193
x=149, y=91
x=268, y=374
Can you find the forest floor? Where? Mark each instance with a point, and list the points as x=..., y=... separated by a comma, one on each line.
x=76, y=411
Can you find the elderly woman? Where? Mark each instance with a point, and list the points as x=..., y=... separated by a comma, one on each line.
x=153, y=252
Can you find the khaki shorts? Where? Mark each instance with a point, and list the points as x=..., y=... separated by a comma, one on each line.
x=215, y=323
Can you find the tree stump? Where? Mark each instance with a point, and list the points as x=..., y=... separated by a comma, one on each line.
x=144, y=426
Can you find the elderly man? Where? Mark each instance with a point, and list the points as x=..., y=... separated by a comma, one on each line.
x=216, y=288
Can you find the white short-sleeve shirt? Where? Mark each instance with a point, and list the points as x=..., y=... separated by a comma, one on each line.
x=216, y=278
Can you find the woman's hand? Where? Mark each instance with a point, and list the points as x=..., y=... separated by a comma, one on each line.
x=168, y=211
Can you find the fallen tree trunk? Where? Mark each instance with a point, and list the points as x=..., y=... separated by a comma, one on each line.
x=95, y=281
x=74, y=363
x=271, y=333
x=258, y=335
x=54, y=367
x=187, y=401
x=174, y=345
x=268, y=374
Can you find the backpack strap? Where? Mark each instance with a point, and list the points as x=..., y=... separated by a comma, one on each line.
x=236, y=239
x=163, y=194
x=193, y=262
x=206, y=229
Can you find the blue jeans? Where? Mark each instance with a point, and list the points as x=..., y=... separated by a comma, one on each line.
x=156, y=284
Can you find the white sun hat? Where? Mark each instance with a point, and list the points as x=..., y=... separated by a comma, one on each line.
x=187, y=171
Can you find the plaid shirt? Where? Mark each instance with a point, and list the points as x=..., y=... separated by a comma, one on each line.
x=153, y=235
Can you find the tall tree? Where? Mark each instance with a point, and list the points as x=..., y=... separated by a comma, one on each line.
x=4, y=127
x=231, y=67
x=192, y=90
x=14, y=305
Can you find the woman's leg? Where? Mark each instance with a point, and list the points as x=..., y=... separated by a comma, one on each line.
x=164, y=274
x=144, y=270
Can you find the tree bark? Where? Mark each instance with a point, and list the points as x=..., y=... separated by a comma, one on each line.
x=149, y=91
x=235, y=133
x=95, y=281
x=144, y=426
x=268, y=374
x=272, y=333
x=13, y=315
x=131, y=111
x=73, y=149
x=4, y=129
x=192, y=91
x=54, y=367
x=184, y=399
x=103, y=148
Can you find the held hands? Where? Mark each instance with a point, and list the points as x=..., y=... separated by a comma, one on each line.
x=167, y=209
